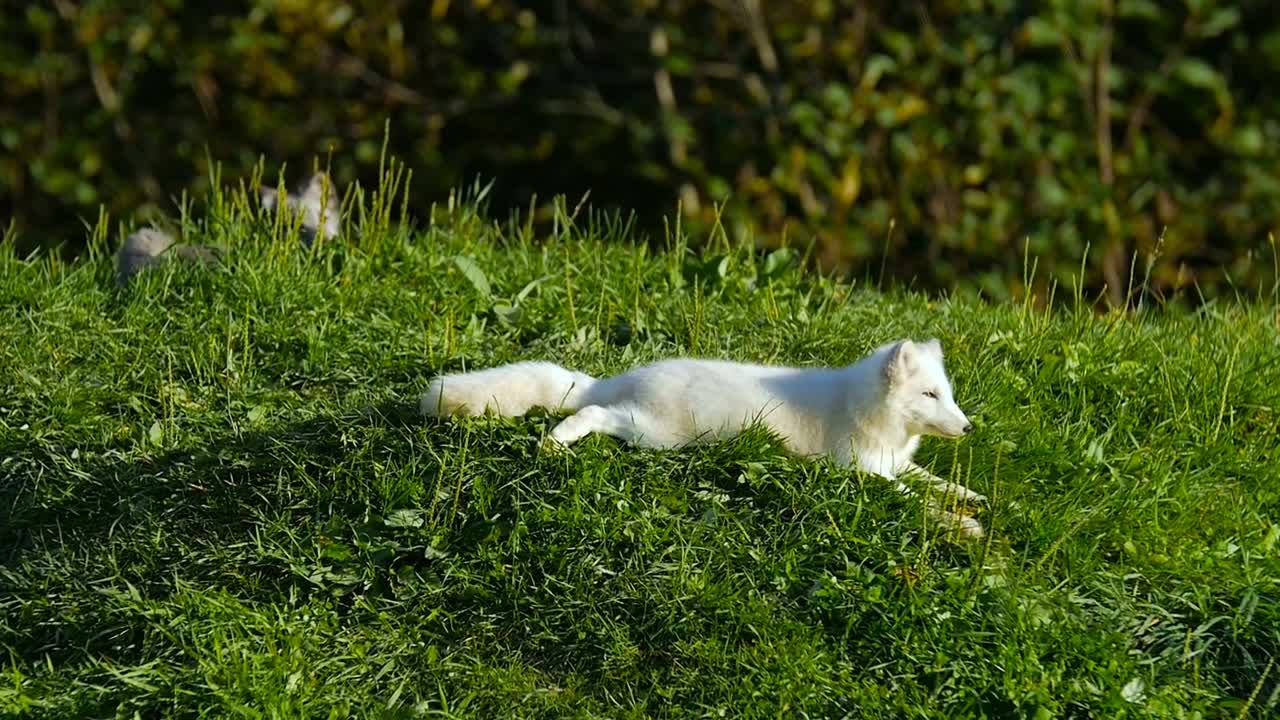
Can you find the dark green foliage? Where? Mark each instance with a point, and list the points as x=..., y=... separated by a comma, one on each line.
x=943, y=140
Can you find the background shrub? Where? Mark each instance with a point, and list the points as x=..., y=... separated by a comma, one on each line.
x=945, y=139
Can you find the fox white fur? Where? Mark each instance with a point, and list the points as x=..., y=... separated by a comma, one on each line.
x=871, y=414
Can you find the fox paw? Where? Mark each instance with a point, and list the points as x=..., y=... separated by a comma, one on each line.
x=551, y=446
x=961, y=525
x=968, y=528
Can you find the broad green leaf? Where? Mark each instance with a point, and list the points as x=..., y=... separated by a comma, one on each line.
x=474, y=274
x=778, y=262
x=1038, y=32
x=155, y=434
x=508, y=314
x=533, y=284
x=405, y=519
x=1222, y=20
x=1199, y=73
x=1134, y=691
x=877, y=66
x=1144, y=9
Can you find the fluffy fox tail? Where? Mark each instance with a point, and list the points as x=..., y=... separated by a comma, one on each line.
x=507, y=390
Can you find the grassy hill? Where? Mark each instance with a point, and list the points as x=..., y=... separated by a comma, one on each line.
x=217, y=497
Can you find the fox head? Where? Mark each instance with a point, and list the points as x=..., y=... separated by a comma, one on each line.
x=919, y=392
x=319, y=204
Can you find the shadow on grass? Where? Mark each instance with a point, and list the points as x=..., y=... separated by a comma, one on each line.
x=359, y=508
x=53, y=495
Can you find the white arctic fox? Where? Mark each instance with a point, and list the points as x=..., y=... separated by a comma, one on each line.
x=871, y=413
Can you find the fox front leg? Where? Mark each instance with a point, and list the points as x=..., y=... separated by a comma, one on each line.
x=952, y=522
x=949, y=489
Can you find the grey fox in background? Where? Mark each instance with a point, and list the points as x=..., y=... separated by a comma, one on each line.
x=319, y=212
x=871, y=414
x=317, y=204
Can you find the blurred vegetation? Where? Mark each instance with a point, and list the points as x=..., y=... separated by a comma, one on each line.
x=943, y=140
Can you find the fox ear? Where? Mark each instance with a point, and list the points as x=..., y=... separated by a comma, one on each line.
x=269, y=198
x=933, y=345
x=317, y=187
x=902, y=360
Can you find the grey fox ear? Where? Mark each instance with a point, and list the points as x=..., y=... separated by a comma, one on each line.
x=933, y=345
x=315, y=190
x=269, y=197
x=321, y=201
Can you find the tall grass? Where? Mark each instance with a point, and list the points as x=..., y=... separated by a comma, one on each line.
x=217, y=499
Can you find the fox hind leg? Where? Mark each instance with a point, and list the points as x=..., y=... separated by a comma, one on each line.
x=594, y=419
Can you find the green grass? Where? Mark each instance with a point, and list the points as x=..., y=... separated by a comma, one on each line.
x=217, y=498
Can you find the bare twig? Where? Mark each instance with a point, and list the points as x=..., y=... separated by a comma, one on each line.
x=760, y=36
x=1102, y=102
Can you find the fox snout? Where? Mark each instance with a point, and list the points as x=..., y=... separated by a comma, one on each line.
x=958, y=424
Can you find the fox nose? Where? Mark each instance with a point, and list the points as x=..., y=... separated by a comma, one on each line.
x=968, y=428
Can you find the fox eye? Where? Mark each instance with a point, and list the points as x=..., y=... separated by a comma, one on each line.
x=931, y=394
